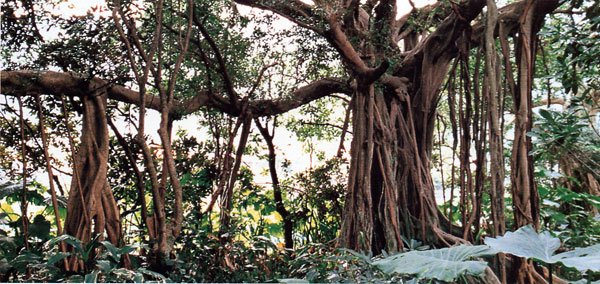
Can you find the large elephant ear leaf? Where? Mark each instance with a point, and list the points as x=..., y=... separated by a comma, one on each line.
x=582, y=259
x=525, y=242
x=442, y=264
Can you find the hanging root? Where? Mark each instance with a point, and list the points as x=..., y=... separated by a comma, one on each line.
x=447, y=238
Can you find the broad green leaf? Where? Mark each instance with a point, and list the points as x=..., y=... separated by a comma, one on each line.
x=40, y=227
x=525, y=242
x=114, y=251
x=67, y=239
x=444, y=264
x=9, y=188
x=138, y=278
x=546, y=114
x=587, y=258
x=91, y=277
x=57, y=257
x=126, y=249
x=25, y=259
x=8, y=210
x=123, y=273
x=89, y=247
x=151, y=273
x=104, y=265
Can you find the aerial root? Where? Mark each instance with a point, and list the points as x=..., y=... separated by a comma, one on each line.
x=447, y=238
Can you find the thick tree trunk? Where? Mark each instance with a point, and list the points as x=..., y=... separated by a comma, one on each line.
x=92, y=209
x=390, y=189
x=524, y=189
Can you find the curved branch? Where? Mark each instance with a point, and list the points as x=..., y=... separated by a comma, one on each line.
x=443, y=40
x=233, y=97
x=27, y=82
x=303, y=95
x=296, y=11
x=454, y=24
x=509, y=16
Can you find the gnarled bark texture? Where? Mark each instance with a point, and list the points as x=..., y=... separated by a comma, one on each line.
x=91, y=207
x=524, y=191
x=390, y=189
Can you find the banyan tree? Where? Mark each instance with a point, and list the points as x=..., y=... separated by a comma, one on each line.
x=397, y=69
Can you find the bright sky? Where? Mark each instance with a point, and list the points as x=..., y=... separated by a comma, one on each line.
x=71, y=8
x=77, y=7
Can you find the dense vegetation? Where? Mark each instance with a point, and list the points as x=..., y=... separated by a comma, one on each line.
x=292, y=141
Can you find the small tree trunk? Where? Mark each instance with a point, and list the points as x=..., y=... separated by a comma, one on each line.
x=129, y=153
x=524, y=190
x=24, y=200
x=227, y=194
x=493, y=97
x=288, y=223
x=495, y=133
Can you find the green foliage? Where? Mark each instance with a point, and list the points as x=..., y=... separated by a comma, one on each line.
x=525, y=242
x=318, y=204
x=86, y=45
x=12, y=192
x=206, y=259
x=39, y=228
x=13, y=256
x=575, y=56
x=261, y=260
x=321, y=263
x=446, y=264
x=564, y=142
x=253, y=252
x=557, y=134
x=577, y=227
x=254, y=214
x=106, y=266
x=318, y=120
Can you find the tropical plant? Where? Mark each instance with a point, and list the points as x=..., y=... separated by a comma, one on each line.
x=44, y=266
x=97, y=101
x=446, y=264
x=527, y=243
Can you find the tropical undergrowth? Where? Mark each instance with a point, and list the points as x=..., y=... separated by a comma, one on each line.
x=262, y=260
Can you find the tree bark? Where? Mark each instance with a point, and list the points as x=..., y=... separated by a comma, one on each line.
x=227, y=194
x=24, y=200
x=288, y=223
x=494, y=98
x=524, y=189
x=494, y=112
x=390, y=189
x=525, y=196
x=90, y=192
